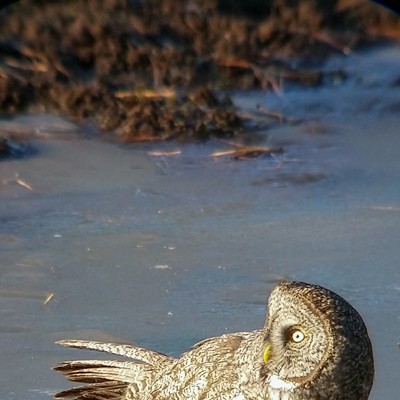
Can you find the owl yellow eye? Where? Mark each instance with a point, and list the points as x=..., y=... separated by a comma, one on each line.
x=297, y=336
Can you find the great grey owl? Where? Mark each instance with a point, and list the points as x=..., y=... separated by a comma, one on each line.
x=313, y=346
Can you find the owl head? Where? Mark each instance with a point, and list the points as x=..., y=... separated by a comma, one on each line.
x=316, y=346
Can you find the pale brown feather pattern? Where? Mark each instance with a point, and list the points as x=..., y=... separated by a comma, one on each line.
x=313, y=346
x=109, y=379
x=126, y=350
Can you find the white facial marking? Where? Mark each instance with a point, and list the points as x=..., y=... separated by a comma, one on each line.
x=277, y=383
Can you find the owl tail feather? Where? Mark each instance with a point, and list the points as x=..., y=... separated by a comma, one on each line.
x=109, y=379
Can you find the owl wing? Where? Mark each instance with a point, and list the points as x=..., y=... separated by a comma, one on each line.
x=109, y=379
x=207, y=371
x=134, y=352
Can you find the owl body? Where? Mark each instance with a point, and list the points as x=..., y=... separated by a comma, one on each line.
x=313, y=346
x=216, y=368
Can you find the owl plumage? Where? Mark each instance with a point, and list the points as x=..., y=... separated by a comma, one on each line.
x=313, y=346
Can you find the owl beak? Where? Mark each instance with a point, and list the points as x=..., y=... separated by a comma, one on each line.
x=267, y=352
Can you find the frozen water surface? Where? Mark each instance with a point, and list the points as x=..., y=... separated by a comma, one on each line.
x=115, y=244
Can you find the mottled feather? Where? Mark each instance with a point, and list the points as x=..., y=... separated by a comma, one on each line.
x=313, y=346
